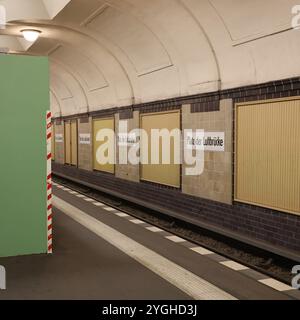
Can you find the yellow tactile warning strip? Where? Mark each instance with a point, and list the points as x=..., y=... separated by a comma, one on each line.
x=270, y=282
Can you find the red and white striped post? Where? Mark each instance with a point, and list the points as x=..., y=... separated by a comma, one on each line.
x=49, y=183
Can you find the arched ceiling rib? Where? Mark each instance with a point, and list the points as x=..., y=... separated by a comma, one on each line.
x=55, y=104
x=118, y=52
x=68, y=88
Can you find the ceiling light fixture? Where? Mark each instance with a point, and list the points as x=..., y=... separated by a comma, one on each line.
x=30, y=35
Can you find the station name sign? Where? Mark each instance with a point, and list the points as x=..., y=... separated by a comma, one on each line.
x=207, y=141
x=84, y=138
x=59, y=138
x=127, y=139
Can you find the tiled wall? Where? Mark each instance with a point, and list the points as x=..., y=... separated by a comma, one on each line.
x=215, y=183
x=59, y=146
x=85, y=159
x=128, y=172
x=278, y=229
x=208, y=198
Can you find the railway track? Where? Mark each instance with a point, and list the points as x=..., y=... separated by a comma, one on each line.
x=257, y=259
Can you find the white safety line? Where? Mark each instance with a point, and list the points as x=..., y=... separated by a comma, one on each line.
x=88, y=199
x=270, y=282
x=154, y=229
x=109, y=209
x=234, y=265
x=121, y=214
x=136, y=221
x=183, y=279
x=277, y=285
x=98, y=204
x=202, y=251
x=175, y=239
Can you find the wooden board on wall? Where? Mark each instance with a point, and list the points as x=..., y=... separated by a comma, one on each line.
x=71, y=142
x=268, y=154
x=165, y=174
x=99, y=124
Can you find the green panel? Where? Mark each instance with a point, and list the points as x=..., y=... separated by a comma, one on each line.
x=24, y=100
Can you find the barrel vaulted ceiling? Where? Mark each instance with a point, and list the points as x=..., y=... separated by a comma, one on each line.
x=114, y=53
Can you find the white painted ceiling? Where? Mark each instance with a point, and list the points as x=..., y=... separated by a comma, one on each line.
x=112, y=53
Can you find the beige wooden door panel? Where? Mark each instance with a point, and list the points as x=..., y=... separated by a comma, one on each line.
x=165, y=174
x=268, y=154
x=99, y=124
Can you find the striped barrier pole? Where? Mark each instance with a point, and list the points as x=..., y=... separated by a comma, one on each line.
x=49, y=184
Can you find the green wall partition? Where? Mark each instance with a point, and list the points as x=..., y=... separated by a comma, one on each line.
x=24, y=101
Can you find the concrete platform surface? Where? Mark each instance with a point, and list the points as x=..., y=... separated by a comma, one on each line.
x=147, y=263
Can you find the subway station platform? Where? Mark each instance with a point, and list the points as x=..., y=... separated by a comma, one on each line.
x=102, y=253
x=150, y=150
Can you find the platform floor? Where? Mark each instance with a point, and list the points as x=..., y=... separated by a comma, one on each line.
x=102, y=253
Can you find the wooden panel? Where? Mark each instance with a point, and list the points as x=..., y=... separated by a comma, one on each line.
x=74, y=143
x=98, y=125
x=166, y=174
x=67, y=142
x=268, y=154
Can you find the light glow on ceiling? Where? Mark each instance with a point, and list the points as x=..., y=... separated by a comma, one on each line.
x=30, y=34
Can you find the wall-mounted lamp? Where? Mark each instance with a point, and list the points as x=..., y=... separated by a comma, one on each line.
x=31, y=34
